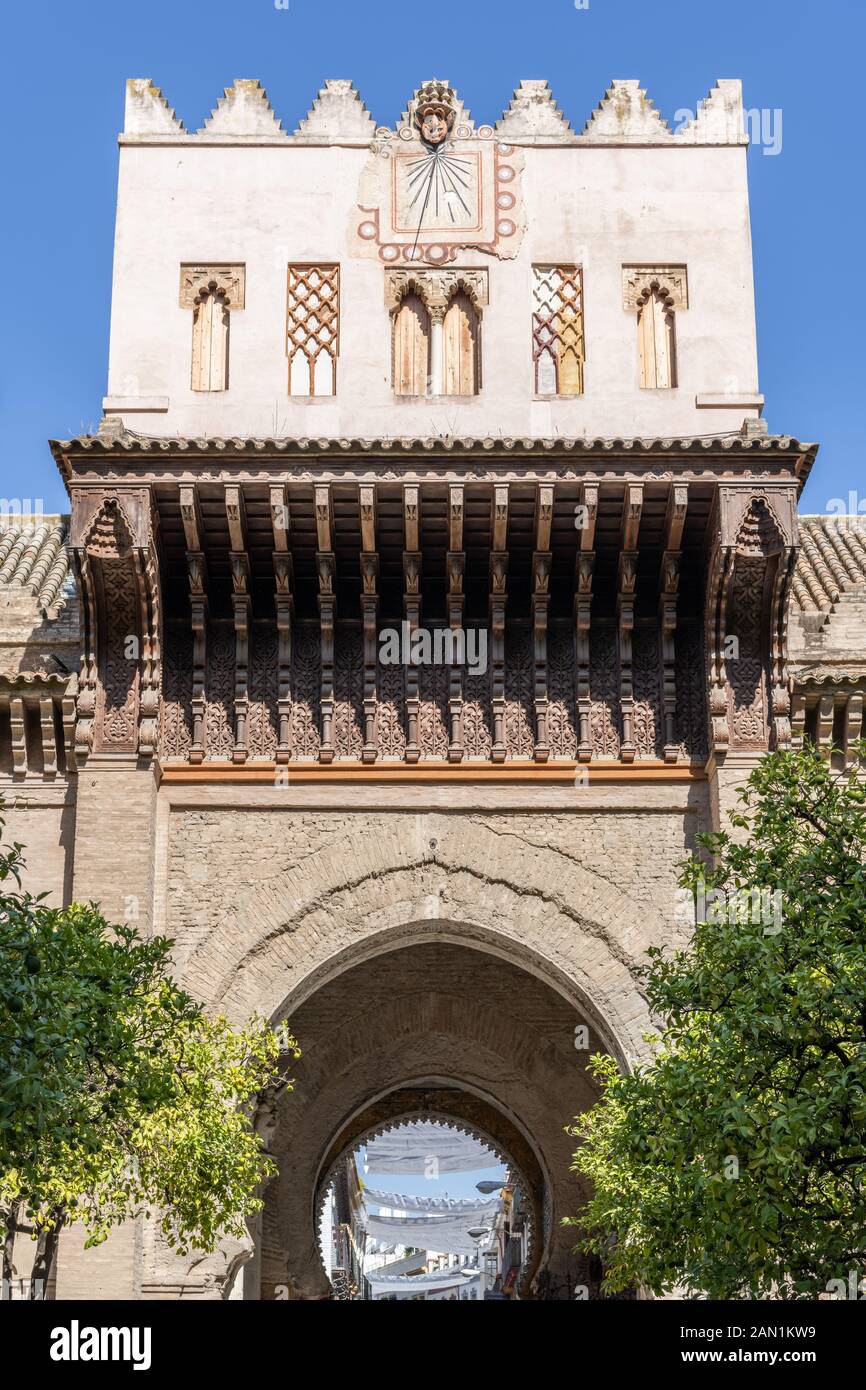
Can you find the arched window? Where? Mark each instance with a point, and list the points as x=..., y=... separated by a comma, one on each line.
x=656, y=339
x=411, y=347
x=213, y=293
x=210, y=341
x=460, y=341
x=656, y=294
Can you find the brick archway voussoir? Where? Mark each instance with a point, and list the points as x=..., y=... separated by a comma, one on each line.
x=287, y=962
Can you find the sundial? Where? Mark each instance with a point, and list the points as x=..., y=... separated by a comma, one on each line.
x=437, y=191
x=436, y=185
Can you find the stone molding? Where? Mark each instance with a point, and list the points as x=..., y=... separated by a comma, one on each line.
x=435, y=287
x=639, y=281
x=228, y=280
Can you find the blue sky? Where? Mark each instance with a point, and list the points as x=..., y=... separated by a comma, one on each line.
x=64, y=78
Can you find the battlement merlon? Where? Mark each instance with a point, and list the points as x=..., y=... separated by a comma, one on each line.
x=625, y=116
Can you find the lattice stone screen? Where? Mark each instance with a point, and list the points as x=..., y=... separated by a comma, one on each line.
x=557, y=330
x=313, y=329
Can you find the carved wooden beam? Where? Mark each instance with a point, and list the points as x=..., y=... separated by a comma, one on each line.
x=826, y=708
x=326, y=566
x=754, y=545
x=412, y=610
x=584, y=520
x=50, y=751
x=113, y=542
x=67, y=717
x=628, y=557
x=715, y=628
x=678, y=498
x=542, y=560
x=369, y=615
x=498, y=600
x=88, y=673
x=456, y=567
x=852, y=723
x=284, y=604
x=150, y=623
x=241, y=602
x=19, y=736
x=198, y=601
x=780, y=678
x=798, y=718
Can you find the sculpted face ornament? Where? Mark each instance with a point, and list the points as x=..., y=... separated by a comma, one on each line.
x=434, y=125
x=434, y=114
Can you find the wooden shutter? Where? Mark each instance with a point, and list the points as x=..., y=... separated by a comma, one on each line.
x=460, y=346
x=411, y=350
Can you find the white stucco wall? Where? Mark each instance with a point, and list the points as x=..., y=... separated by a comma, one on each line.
x=187, y=198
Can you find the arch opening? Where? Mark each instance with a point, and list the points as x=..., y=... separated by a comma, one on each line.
x=431, y=1030
x=426, y=1207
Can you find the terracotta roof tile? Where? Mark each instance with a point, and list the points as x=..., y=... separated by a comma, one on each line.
x=831, y=562
x=33, y=557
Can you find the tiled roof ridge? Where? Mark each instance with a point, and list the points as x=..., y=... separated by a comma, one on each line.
x=831, y=561
x=121, y=437
x=33, y=556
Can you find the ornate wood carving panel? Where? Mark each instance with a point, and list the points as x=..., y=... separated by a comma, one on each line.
x=648, y=730
x=220, y=692
x=748, y=701
x=262, y=719
x=561, y=725
x=433, y=686
x=389, y=717
x=349, y=692
x=306, y=689
x=747, y=692
x=519, y=688
x=117, y=693
x=691, y=715
x=176, y=722
x=604, y=690
x=477, y=716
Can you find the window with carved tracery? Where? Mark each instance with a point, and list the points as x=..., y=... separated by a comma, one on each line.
x=656, y=294
x=313, y=329
x=411, y=347
x=212, y=292
x=557, y=330
x=436, y=330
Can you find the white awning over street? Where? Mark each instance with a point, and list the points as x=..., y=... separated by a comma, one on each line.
x=423, y=1147
x=445, y=1234
x=438, y=1204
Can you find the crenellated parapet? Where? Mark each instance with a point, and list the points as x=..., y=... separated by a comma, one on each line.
x=624, y=116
